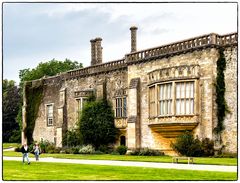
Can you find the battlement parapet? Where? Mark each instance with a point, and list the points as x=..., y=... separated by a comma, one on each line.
x=183, y=46
x=96, y=69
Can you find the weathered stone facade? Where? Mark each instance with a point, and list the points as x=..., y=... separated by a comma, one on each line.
x=156, y=93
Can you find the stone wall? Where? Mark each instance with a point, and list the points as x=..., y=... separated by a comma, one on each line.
x=137, y=69
x=206, y=60
x=51, y=96
x=229, y=136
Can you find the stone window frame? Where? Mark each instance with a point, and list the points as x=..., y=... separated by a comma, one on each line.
x=153, y=113
x=48, y=119
x=79, y=106
x=122, y=110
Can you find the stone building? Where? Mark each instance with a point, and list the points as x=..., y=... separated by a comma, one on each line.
x=156, y=93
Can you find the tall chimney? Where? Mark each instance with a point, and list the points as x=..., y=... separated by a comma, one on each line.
x=93, y=52
x=133, y=38
x=99, y=50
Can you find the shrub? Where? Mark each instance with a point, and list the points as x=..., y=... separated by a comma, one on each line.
x=186, y=145
x=146, y=152
x=226, y=155
x=75, y=150
x=207, y=147
x=97, y=123
x=114, y=153
x=72, y=138
x=103, y=148
x=88, y=149
x=121, y=149
x=18, y=148
x=98, y=152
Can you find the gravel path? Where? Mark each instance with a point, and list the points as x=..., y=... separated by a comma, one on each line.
x=220, y=168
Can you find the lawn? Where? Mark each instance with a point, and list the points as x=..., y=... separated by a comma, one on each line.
x=15, y=170
x=9, y=145
x=163, y=159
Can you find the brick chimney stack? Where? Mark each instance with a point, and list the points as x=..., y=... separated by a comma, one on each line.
x=133, y=38
x=93, y=52
x=96, y=51
x=99, y=50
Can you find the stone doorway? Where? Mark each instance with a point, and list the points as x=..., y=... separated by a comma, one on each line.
x=123, y=140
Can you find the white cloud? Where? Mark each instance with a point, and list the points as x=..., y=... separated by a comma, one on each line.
x=62, y=36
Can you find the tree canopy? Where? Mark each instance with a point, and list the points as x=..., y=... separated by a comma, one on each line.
x=49, y=68
x=11, y=99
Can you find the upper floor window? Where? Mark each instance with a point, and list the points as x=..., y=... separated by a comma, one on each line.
x=173, y=98
x=121, y=107
x=184, y=98
x=165, y=99
x=50, y=114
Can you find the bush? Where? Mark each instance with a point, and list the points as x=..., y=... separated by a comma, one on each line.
x=88, y=149
x=18, y=148
x=226, y=155
x=103, y=148
x=186, y=145
x=146, y=152
x=97, y=123
x=98, y=152
x=207, y=147
x=72, y=138
x=121, y=149
x=114, y=153
x=75, y=150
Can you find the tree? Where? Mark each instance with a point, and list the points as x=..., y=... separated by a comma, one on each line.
x=96, y=123
x=50, y=68
x=11, y=99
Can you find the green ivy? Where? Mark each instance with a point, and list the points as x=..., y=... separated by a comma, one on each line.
x=222, y=108
x=33, y=98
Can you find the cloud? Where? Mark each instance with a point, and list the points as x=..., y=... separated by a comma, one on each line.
x=34, y=32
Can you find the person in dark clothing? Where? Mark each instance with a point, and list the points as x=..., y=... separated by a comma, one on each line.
x=25, y=151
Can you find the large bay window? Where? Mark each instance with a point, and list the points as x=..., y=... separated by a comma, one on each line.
x=152, y=100
x=165, y=99
x=184, y=98
x=173, y=98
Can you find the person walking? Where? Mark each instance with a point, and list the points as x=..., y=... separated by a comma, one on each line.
x=37, y=151
x=25, y=151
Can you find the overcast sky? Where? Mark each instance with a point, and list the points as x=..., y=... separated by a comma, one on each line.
x=39, y=32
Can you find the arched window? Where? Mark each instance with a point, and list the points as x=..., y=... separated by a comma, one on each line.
x=123, y=140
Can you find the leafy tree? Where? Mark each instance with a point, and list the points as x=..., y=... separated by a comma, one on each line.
x=11, y=98
x=96, y=123
x=50, y=68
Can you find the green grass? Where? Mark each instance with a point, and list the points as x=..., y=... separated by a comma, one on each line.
x=15, y=170
x=163, y=159
x=9, y=145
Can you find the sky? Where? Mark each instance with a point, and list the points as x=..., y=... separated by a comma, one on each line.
x=39, y=32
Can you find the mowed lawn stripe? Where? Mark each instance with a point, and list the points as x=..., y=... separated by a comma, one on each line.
x=162, y=159
x=15, y=170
